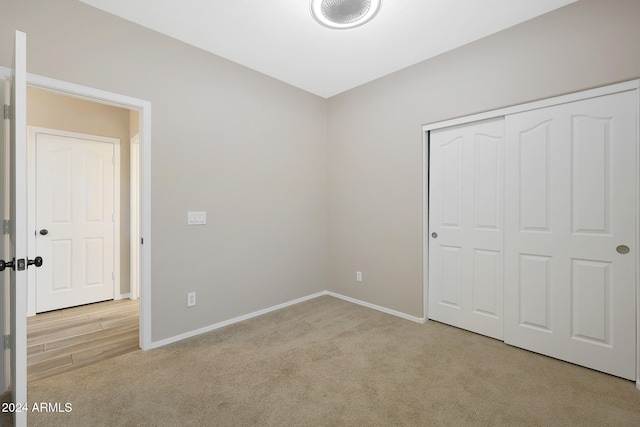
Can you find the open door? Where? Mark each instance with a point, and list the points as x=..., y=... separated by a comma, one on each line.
x=17, y=263
x=5, y=90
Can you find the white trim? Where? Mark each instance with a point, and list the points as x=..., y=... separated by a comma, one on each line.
x=195, y=332
x=637, y=259
x=119, y=297
x=224, y=323
x=134, y=216
x=144, y=107
x=563, y=99
x=377, y=307
x=425, y=225
x=85, y=92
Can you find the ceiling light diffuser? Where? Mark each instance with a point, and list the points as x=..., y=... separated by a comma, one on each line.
x=344, y=14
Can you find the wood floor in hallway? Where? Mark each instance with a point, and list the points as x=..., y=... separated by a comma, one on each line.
x=63, y=340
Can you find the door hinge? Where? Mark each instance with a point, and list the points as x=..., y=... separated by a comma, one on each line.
x=141, y=241
x=113, y=275
x=7, y=111
x=6, y=226
x=7, y=342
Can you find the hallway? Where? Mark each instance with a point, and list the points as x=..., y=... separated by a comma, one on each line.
x=64, y=340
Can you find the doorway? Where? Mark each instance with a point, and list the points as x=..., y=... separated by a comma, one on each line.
x=15, y=361
x=66, y=125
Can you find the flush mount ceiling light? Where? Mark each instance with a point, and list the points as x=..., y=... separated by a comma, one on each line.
x=344, y=14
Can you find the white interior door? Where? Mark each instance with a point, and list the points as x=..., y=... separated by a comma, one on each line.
x=5, y=91
x=75, y=219
x=465, y=227
x=570, y=232
x=18, y=229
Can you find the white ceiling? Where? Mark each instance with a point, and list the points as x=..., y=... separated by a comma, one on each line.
x=280, y=38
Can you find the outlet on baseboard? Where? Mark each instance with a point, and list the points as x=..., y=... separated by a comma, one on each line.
x=359, y=276
x=191, y=299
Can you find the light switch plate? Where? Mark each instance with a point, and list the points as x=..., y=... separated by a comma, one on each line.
x=197, y=218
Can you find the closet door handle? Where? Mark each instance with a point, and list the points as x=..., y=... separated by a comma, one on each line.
x=622, y=249
x=434, y=235
x=44, y=232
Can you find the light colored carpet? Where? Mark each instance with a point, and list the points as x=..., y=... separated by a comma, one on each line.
x=327, y=362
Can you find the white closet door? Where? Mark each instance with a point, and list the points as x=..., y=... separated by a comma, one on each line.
x=465, y=227
x=570, y=237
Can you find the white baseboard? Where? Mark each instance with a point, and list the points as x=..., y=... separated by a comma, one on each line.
x=122, y=296
x=224, y=323
x=377, y=307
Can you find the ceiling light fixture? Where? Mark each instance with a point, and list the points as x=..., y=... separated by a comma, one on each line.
x=344, y=14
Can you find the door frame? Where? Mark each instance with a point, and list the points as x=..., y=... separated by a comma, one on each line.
x=134, y=215
x=144, y=108
x=632, y=85
x=32, y=188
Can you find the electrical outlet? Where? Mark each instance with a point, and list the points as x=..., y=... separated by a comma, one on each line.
x=359, y=276
x=191, y=299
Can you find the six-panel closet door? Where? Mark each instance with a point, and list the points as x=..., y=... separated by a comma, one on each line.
x=570, y=232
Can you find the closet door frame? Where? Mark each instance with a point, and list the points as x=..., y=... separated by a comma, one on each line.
x=633, y=85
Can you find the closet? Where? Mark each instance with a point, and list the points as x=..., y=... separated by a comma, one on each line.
x=533, y=227
x=465, y=226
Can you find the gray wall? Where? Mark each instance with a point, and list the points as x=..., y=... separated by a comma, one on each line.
x=375, y=138
x=278, y=169
x=248, y=149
